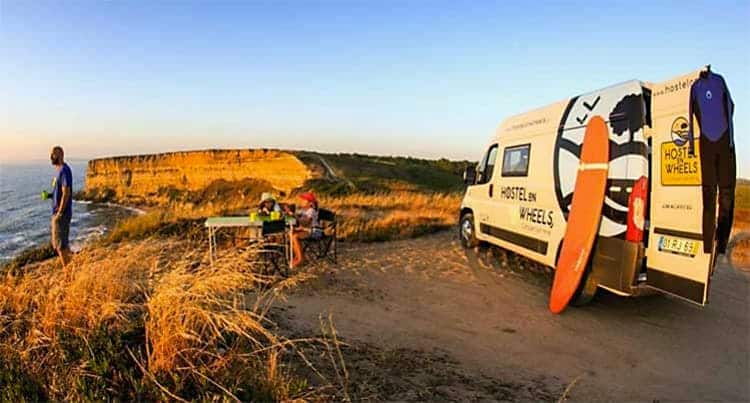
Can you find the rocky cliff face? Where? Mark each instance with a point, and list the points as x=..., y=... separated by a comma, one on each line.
x=148, y=179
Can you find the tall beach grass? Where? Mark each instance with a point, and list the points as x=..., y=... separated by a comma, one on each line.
x=145, y=320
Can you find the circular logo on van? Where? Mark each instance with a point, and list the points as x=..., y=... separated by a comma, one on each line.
x=679, y=131
x=628, y=159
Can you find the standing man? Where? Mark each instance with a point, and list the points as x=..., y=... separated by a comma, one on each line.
x=62, y=205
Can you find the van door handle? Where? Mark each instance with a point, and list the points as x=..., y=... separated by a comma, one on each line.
x=490, y=190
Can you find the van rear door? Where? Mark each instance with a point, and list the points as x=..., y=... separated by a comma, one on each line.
x=676, y=263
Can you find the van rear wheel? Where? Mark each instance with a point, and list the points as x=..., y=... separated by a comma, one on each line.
x=466, y=231
x=586, y=289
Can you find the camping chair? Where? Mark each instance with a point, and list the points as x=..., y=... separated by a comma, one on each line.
x=325, y=246
x=273, y=249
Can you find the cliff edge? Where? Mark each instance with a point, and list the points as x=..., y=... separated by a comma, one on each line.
x=151, y=179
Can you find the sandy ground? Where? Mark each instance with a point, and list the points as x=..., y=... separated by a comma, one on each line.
x=472, y=325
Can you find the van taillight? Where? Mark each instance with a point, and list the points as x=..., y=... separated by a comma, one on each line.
x=637, y=204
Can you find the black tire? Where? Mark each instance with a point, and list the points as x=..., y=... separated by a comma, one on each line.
x=466, y=231
x=586, y=289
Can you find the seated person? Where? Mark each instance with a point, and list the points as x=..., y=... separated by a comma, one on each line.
x=307, y=224
x=268, y=204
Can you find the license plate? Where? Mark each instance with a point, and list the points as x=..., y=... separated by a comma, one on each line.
x=678, y=246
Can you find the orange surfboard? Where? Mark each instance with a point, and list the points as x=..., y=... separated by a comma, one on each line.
x=585, y=214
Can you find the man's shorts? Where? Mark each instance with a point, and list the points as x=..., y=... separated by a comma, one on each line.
x=60, y=230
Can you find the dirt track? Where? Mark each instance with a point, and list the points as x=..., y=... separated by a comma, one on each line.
x=429, y=295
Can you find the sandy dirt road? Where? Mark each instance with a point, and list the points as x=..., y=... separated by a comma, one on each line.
x=429, y=294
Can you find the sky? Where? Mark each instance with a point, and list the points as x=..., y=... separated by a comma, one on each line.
x=420, y=78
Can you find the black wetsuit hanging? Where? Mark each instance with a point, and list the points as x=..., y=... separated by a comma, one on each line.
x=713, y=107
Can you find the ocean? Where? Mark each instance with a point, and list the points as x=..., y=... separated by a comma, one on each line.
x=24, y=216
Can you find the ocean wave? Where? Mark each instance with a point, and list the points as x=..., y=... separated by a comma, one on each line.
x=28, y=225
x=129, y=208
x=98, y=230
x=80, y=216
x=15, y=244
x=87, y=235
x=110, y=204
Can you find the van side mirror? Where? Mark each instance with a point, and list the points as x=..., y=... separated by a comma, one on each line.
x=470, y=175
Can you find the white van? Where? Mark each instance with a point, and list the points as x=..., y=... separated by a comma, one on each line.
x=518, y=197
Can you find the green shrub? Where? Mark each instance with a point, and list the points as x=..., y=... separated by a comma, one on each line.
x=15, y=384
x=375, y=174
x=137, y=227
x=110, y=372
x=155, y=223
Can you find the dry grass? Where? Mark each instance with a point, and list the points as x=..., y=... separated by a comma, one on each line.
x=741, y=220
x=46, y=308
x=394, y=215
x=133, y=227
x=47, y=298
x=141, y=315
x=742, y=194
x=362, y=217
x=400, y=212
x=150, y=319
x=739, y=251
x=740, y=256
x=147, y=320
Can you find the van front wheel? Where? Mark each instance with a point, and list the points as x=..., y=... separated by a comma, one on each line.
x=466, y=231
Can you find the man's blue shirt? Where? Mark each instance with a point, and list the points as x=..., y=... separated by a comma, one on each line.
x=64, y=178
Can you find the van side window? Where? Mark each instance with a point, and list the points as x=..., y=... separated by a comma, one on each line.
x=487, y=166
x=516, y=160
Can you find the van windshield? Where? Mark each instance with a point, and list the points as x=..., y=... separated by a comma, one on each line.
x=488, y=165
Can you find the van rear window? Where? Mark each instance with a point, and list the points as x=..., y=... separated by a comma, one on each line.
x=516, y=160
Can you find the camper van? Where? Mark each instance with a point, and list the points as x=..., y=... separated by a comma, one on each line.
x=650, y=235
